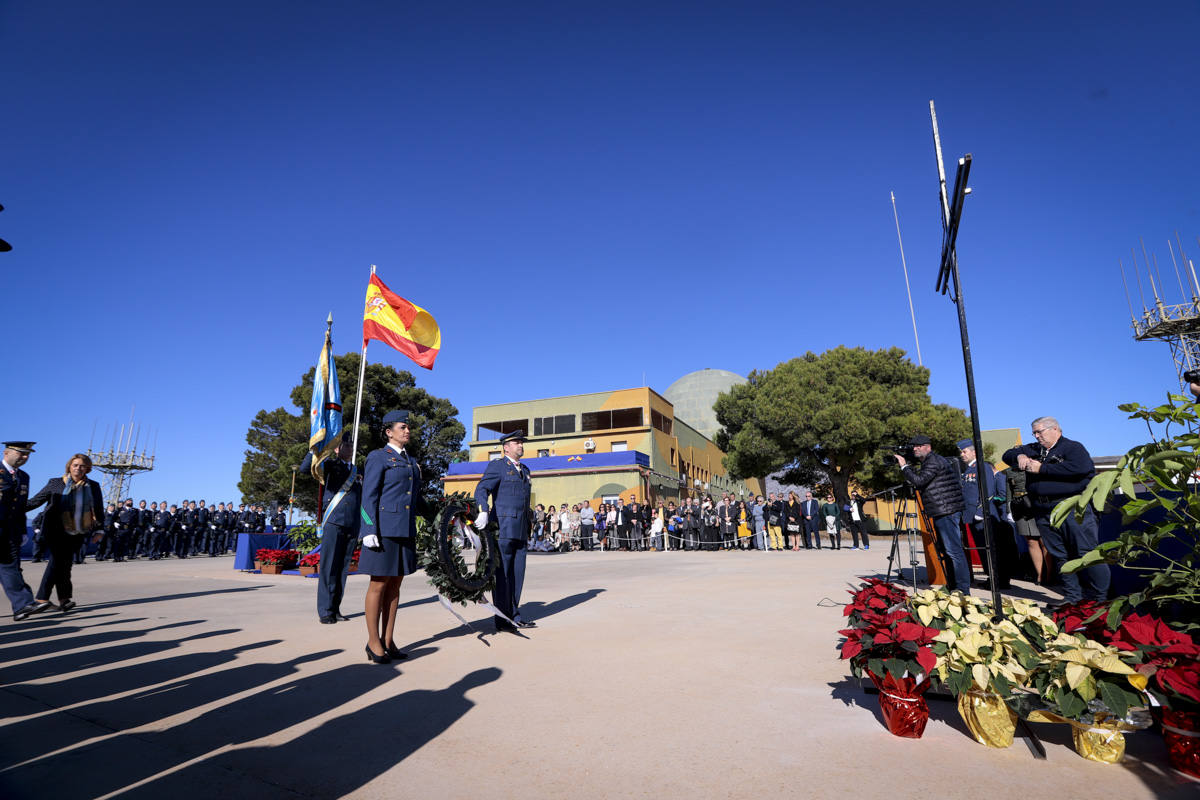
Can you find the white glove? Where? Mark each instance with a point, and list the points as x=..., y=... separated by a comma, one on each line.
x=481, y=521
x=372, y=542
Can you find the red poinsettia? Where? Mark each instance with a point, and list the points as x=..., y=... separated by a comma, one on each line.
x=270, y=557
x=311, y=560
x=884, y=635
x=1088, y=617
x=1170, y=658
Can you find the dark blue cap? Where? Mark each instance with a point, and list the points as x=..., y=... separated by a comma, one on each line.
x=515, y=436
x=392, y=417
x=963, y=444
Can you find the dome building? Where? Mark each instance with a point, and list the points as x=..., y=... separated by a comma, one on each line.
x=693, y=396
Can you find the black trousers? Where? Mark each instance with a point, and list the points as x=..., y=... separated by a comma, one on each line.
x=585, y=537
x=812, y=533
x=57, y=576
x=1008, y=558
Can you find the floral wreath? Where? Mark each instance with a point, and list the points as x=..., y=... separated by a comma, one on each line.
x=441, y=556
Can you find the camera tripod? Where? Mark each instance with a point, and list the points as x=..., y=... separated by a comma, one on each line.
x=903, y=521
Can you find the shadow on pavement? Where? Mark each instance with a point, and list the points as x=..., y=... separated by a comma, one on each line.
x=24, y=631
x=70, y=662
x=342, y=754
x=537, y=610
x=166, y=597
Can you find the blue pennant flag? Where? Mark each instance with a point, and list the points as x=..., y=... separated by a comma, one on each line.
x=326, y=412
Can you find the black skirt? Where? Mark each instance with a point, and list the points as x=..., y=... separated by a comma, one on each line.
x=399, y=557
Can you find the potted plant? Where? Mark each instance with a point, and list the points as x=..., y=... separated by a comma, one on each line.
x=893, y=648
x=1090, y=686
x=274, y=562
x=1171, y=661
x=1161, y=526
x=310, y=563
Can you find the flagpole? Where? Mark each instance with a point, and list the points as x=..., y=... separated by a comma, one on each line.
x=328, y=348
x=362, y=371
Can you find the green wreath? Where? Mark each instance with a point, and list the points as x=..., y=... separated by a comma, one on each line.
x=442, y=559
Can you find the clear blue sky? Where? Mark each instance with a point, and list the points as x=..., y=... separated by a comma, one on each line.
x=581, y=194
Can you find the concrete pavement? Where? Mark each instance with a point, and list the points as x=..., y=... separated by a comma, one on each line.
x=650, y=675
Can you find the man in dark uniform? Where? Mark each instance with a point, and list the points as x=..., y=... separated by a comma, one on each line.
x=231, y=527
x=203, y=529
x=39, y=541
x=174, y=529
x=1007, y=558
x=342, y=498
x=14, y=493
x=217, y=527
x=160, y=523
x=279, y=520
x=506, y=481
x=127, y=522
x=187, y=529
x=141, y=531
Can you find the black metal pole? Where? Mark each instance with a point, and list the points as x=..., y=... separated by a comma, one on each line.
x=950, y=259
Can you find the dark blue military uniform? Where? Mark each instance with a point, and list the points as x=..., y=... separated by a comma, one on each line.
x=507, y=482
x=390, y=498
x=338, y=533
x=14, y=493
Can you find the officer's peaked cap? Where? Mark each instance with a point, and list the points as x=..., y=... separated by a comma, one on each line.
x=515, y=436
x=392, y=417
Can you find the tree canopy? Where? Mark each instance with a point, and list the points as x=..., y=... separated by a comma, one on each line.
x=826, y=418
x=278, y=439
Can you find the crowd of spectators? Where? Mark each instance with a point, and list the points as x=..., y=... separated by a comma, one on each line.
x=774, y=523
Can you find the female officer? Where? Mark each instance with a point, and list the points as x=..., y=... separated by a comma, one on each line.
x=390, y=504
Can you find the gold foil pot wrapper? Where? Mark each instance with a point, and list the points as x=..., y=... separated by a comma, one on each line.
x=988, y=718
x=1102, y=741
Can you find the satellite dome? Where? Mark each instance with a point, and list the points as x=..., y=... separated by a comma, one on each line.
x=693, y=396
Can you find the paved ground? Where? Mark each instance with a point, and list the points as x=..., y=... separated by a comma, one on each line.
x=651, y=675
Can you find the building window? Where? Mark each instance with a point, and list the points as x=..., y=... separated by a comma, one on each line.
x=547, y=426
x=660, y=421
x=495, y=454
x=620, y=447
x=614, y=418
x=543, y=453
x=495, y=430
x=672, y=456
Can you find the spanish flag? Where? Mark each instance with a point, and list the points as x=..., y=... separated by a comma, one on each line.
x=394, y=321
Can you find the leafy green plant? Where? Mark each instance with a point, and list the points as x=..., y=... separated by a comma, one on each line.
x=305, y=536
x=1164, y=544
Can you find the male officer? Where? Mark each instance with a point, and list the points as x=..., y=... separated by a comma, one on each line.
x=232, y=522
x=127, y=522
x=1007, y=558
x=245, y=520
x=343, y=496
x=203, y=529
x=14, y=492
x=812, y=527
x=507, y=481
x=216, y=525
x=145, y=522
x=160, y=527
x=279, y=519
x=39, y=541
x=183, y=542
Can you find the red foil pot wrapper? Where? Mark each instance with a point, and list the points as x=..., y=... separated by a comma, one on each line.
x=903, y=703
x=1181, y=732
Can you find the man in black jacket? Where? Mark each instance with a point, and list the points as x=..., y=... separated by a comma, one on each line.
x=941, y=494
x=127, y=522
x=1056, y=468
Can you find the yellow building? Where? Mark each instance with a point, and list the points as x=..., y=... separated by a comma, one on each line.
x=599, y=447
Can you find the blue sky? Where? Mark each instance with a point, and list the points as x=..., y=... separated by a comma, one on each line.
x=581, y=193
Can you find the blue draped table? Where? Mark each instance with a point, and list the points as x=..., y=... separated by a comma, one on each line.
x=250, y=543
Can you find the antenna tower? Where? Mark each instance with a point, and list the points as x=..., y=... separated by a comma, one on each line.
x=1177, y=324
x=118, y=458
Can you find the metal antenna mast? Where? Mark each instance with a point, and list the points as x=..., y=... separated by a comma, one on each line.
x=904, y=264
x=118, y=460
x=1177, y=324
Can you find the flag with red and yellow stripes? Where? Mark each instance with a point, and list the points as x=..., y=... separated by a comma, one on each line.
x=391, y=319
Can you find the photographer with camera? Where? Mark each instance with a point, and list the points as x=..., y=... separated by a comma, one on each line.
x=942, y=497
